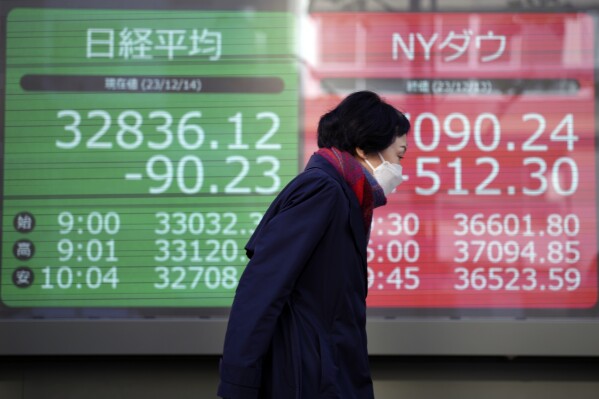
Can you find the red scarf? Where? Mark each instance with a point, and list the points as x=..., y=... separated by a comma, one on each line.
x=354, y=175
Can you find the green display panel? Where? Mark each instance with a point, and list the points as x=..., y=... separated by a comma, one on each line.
x=141, y=149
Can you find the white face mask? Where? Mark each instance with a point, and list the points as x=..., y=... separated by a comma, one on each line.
x=388, y=175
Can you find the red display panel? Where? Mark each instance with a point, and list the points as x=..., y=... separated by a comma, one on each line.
x=498, y=205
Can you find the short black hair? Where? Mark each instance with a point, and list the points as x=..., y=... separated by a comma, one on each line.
x=362, y=120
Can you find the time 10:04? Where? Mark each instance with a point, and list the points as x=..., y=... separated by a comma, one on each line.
x=66, y=277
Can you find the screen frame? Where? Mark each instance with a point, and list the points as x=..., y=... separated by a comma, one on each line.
x=464, y=337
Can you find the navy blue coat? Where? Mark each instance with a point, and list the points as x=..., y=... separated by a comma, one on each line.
x=297, y=324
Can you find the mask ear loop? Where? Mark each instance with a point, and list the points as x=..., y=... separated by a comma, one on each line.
x=369, y=164
x=383, y=160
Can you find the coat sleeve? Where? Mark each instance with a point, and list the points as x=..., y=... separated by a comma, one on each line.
x=282, y=248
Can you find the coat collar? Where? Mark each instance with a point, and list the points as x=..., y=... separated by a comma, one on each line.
x=355, y=216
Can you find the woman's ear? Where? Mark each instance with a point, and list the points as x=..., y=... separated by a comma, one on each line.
x=361, y=157
x=360, y=152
